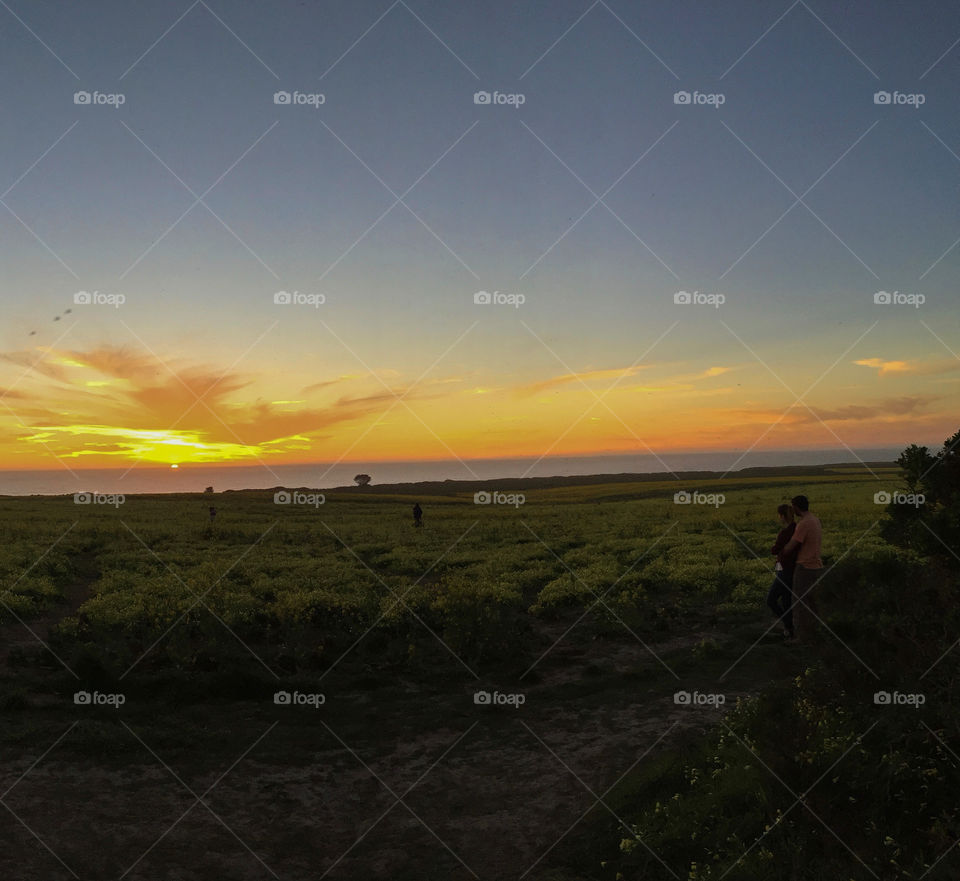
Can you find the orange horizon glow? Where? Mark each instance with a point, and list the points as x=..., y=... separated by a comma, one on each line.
x=116, y=407
x=368, y=462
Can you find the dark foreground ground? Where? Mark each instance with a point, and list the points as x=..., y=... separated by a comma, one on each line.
x=387, y=779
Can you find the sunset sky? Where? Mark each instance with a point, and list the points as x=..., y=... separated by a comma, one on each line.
x=398, y=198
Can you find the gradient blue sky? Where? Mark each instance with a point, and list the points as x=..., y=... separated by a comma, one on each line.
x=399, y=80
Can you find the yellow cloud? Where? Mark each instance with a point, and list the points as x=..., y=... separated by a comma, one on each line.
x=885, y=367
x=916, y=368
x=148, y=445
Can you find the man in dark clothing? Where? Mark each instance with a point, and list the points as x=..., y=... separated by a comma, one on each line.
x=780, y=595
x=417, y=514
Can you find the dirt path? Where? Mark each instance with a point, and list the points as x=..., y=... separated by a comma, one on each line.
x=487, y=792
x=497, y=804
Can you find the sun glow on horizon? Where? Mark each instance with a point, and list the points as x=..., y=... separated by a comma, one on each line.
x=167, y=447
x=99, y=406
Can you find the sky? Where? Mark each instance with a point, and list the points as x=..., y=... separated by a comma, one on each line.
x=389, y=267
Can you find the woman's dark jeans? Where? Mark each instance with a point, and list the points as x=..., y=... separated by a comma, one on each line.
x=780, y=598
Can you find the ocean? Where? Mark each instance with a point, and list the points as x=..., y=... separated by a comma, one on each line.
x=195, y=478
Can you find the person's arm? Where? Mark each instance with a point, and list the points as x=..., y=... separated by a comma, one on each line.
x=794, y=544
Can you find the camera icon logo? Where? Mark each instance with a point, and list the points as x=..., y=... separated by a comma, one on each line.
x=882, y=498
x=81, y=697
x=81, y=97
x=482, y=498
x=281, y=97
x=82, y=298
x=282, y=498
x=282, y=298
x=682, y=498
x=481, y=697
x=881, y=697
x=681, y=97
x=281, y=697
x=881, y=97
x=883, y=298
x=481, y=97
x=681, y=697
x=683, y=298
x=482, y=298
x=83, y=498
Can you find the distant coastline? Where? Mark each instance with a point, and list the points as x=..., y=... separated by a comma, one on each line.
x=454, y=487
x=451, y=487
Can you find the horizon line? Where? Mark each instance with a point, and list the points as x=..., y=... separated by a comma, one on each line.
x=372, y=462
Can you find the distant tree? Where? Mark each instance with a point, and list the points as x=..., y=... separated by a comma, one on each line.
x=362, y=479
x=209, y=489
x=931, y=526
x=914, y=464
x=943, y=481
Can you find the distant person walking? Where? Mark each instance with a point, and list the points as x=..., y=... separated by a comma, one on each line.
x=780, y=596
x=213, y=513
x=809, y=569
x=417, y=514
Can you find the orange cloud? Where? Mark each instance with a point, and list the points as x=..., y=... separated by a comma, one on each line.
x=166, y=412
x=883, y=410
x=613, y=373
x=34, y=363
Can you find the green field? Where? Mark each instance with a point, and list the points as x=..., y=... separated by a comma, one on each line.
x=592, y=603
x=292, y=587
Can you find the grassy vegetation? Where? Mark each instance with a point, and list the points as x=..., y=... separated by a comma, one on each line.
x=815, y=776
x=297, y=586
x=151, y=599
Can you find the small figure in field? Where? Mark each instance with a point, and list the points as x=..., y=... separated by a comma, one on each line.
x=213, y=513
x=417, y=514
x=780, y=595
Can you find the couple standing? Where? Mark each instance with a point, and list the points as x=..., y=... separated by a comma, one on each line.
x=798, y=570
